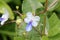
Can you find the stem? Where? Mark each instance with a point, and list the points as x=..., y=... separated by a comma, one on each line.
x=46, y=6
x=10, y=21
x=44, y=12
x=18, y=13
x=44, y=24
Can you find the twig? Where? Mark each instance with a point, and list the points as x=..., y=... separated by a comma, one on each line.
x=18, y=13
x=10, y=21
x=46, y=6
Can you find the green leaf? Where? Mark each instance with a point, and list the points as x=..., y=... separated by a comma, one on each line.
x=57, y=8
x=52, y=4
x=54, y=25
x=55, y=30
x=6, y=0
x=42, y=1
x=4, y=5
x=33, y=35
x=45, y=38
x=53, y=20
x=35, y=38
x=56, y=37
x=18, y=2
x=21, y=29
x=19, y=38
x=4, y=37
x=30, y=5
x=8, y=29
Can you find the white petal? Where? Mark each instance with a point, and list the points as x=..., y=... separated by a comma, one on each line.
x=34, y=23
x=2, y=22
x=29, y=14
x=37, y=18
x=5, y=16
x=27, y=20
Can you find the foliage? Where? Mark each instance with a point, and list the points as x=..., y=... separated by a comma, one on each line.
x=14, y=28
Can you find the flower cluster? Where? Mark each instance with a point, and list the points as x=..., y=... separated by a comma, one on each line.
x=31, y=20
x=4, y=17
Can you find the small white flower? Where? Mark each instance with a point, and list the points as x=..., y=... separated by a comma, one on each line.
x=4, y=17
x=33, y=19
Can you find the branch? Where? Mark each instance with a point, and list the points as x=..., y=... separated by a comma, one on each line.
x=18, y=13
x=10, y=21
x=46, y=6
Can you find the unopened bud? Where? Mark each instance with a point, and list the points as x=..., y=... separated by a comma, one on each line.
x=18, y=21
x=24, y=33
x=17, y=7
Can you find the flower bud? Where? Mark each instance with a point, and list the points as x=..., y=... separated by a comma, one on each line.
x=18, y=21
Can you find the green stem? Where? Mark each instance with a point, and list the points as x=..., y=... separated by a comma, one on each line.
x=18, y=13
x=44, y=22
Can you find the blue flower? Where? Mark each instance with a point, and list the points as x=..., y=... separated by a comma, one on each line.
x=31, y=20
x=29, y=26
x=4, y=17
x=1, y=19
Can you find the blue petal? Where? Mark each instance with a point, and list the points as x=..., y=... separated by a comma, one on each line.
x=29, y=27
x=1, y=19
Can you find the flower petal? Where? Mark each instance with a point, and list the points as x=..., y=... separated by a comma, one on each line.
x=34, y=23
x=29, y=14
x=1, y=19
x=29, y=27
x=27, y=20
x=37, y=18
x=5, y=16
